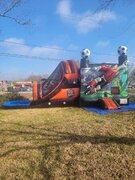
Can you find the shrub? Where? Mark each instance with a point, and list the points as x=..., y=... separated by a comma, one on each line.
x=10, y=97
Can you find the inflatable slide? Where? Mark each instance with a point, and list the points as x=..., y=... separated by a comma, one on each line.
x=62, y=86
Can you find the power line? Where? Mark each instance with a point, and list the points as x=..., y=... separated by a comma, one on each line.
x=106, y=54
x=47, y=47
x=40, y=58
x=30, y=57
x=125, y=28
x=59, y=49
x=33, y=45
x=53, y=59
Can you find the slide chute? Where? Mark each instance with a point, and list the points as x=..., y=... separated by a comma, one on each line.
x=61, y=86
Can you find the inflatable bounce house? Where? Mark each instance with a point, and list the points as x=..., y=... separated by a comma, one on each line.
x=102, y=84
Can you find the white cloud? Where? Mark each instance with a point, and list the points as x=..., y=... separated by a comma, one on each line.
x=103, y=43
x=18, y=46
x=86, y=21
x=15, y=40
x=64, y=8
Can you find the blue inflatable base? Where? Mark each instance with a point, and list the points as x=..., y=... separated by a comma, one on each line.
x=129, y=107
x=17, y=103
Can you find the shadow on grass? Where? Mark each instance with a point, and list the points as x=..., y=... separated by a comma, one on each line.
x=61, y=137
x=47, y=139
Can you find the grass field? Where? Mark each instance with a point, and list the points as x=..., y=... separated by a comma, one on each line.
x=66, y=143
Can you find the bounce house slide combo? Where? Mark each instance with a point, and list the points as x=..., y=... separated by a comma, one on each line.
x=103, y=84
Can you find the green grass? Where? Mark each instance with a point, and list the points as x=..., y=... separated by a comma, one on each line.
x=66, y=143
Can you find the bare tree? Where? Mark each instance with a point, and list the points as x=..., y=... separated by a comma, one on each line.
x=36, y=77
x=6, y=8
x=104, y=4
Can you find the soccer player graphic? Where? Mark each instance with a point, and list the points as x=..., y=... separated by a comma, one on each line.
x=109, y=73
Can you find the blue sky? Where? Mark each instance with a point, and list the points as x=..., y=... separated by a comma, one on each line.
x=59, y=25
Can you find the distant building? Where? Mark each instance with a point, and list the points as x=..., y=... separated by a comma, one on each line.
x=16, y=86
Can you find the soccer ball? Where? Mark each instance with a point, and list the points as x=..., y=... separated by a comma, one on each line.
x=122, y=50
x=85, y=53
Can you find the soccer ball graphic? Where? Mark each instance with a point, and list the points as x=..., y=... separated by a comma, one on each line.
x=122, y=50
x=85, y=53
